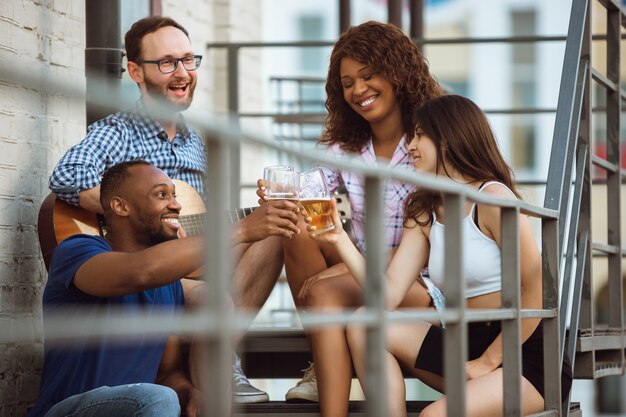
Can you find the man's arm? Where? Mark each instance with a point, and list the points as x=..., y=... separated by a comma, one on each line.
x=90, y=199
x=111, y=274
x=82, y=166
x=172, y=374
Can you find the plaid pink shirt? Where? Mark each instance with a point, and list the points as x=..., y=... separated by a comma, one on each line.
x=395, y=192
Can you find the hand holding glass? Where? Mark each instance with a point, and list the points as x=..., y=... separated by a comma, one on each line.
x=315, y=198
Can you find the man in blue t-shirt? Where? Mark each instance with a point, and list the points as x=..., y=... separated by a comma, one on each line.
x=129, y=271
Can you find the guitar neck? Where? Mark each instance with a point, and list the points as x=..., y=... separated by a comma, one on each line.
x=194, y=224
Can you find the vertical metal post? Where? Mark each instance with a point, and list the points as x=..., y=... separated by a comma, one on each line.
x=585, y=363
x=344, y=15
x=614, y=179
x=556, y=171
x=511, y=329
x=103, y=54
x=394, y=12
x=375, y=298
x=233, y=107
x=219, y=369
x=455, y=340
x=416, y=9
x=551, y=345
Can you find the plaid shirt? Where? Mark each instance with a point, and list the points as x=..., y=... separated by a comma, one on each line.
x=395, y=192
x=128, y=136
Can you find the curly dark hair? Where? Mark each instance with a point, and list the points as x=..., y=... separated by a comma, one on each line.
x=462, y=136
x=389, y=52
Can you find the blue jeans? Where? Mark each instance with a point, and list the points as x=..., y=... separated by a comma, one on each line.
x=134, y=400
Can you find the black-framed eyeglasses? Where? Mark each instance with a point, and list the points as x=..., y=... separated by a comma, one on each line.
x=169, y=65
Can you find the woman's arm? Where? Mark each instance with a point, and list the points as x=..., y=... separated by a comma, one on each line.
x=405, y=265
x=530, y=276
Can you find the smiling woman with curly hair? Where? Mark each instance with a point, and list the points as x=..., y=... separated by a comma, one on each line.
x=376, y=79
x=389, y=53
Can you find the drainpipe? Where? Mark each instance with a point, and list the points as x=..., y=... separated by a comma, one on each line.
x=344, y=15
x=103, y=54
x=416, y=9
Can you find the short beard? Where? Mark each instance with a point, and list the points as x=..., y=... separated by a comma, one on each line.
x=155, y=91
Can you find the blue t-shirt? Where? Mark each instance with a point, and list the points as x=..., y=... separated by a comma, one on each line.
x=85, y=365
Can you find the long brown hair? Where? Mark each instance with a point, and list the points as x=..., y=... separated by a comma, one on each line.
x=389, y=52
x=463, y=137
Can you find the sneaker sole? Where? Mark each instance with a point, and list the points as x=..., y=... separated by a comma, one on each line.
x=301, y=398
x=251, y=399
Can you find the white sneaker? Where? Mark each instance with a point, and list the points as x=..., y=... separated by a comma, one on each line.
x=305, y=389
x=243, y=391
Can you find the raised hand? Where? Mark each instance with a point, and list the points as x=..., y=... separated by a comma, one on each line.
x=274, y=218
x=330, y=236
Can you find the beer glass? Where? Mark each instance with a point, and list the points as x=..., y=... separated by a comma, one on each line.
x=315, y=198
x=282, y=182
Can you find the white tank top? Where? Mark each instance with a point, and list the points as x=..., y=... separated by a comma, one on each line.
x=481, y=257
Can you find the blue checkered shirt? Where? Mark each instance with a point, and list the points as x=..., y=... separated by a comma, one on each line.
x=128, y=136
x=395, y=192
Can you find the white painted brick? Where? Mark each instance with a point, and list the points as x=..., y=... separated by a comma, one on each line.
x=60, y=54
x=6, y=299
x=30, y=243
x=6, y=30
x=31, y=270
x=8, y=153
x=8, y=269
x=26, y=41
x=9, y=214
x=8, y=187
x=27, y=14
x=63, y=6
x=7, y=8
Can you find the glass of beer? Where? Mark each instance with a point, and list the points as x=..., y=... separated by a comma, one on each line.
x=315, y=198
x=282, y=182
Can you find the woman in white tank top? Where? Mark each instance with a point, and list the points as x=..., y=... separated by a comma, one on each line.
x=453, y=139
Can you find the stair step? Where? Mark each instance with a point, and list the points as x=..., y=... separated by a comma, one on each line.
x=282, y=408
x=356, y=408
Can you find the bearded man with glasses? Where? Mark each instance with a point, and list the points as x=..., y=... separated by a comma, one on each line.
x=163, y=64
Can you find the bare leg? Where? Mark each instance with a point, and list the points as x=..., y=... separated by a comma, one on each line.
x=256, y=273
x=333, y=365
x=305, y=257
x=403, y=343
x=484, y=398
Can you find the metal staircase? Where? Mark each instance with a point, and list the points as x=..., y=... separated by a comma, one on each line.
x=597, y=350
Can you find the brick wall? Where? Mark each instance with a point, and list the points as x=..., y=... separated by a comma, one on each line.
x=36, y=129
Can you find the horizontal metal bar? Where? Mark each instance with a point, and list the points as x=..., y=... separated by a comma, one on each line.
x=303, y=79
x=603, y=80
x=419, y=41
x=604, y=164
x=600, y=342
x=549, y=413
x=604, y=248
x=607, y=371
x=611, y=5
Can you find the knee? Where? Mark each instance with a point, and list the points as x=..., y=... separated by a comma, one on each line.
x=157, y=400
x=323, y=295
x=435, y=409
x=354, y=331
